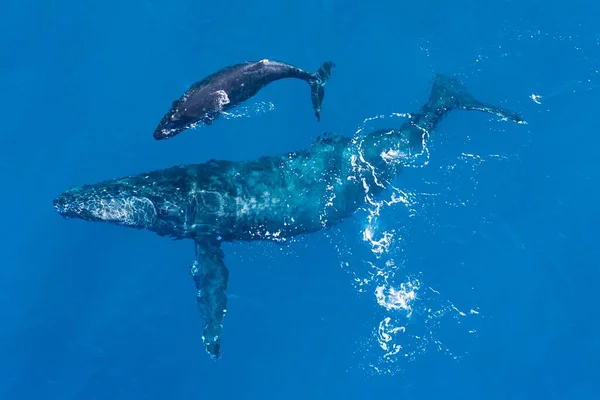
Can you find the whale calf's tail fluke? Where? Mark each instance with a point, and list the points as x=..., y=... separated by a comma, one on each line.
x=448, y=93
x=317, y=83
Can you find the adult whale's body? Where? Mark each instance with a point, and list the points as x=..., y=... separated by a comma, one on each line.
x=272, y=198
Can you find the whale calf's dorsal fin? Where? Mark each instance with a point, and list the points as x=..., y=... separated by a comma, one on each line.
x=210, y=276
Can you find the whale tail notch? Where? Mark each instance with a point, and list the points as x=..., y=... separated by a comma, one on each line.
x=317, y=82
x=448, y=93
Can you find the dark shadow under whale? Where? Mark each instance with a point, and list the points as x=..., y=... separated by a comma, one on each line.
x=207, y=99
x=271, y=198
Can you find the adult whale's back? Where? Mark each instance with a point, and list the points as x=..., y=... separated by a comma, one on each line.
x=230, y=86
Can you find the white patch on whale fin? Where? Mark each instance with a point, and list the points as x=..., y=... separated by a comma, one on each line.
x=265, y=61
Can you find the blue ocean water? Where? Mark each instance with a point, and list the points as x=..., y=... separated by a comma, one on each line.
x=480, y=283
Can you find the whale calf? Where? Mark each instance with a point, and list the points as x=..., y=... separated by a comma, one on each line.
x=230, y=86
x=272, y=198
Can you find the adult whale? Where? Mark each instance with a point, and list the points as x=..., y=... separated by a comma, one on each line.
x=272, y=198
x=207, y=99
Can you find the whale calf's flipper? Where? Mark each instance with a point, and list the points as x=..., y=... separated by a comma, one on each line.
x=210, y=276
x=317, y=83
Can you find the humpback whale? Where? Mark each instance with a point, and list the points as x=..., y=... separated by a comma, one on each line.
x=273, y=198
x=230, y=86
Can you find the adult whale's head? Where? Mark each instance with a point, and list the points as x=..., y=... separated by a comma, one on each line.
x=112, y=202
x=167, y=202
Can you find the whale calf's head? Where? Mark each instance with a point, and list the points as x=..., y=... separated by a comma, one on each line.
x=190, y=111
x=176, y=122
x=116, y=203
x=177, y=119
x=172, y=124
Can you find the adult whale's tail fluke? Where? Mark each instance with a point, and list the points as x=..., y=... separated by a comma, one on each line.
x=448, y=93
x=317, y=83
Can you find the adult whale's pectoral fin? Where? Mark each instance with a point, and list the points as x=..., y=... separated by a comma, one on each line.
x=210, y=276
